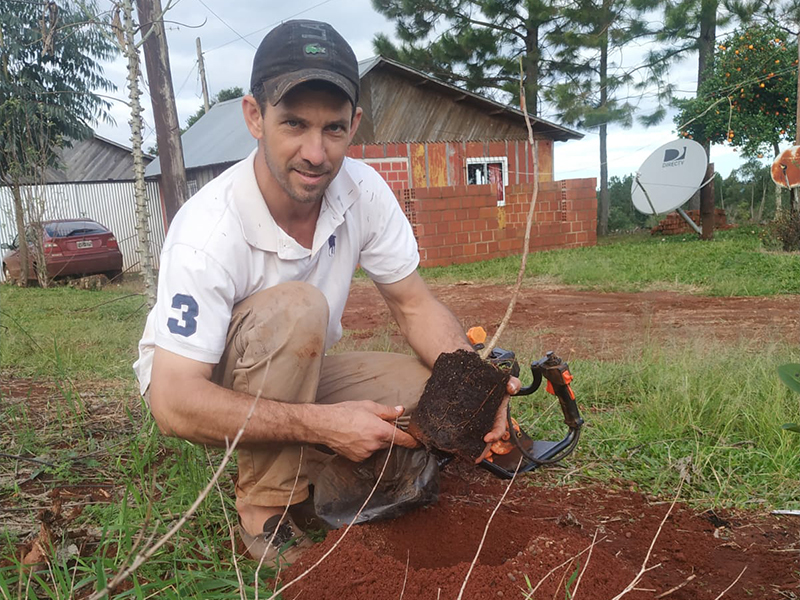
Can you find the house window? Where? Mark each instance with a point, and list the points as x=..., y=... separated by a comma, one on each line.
x=492, y=170
x=192, y=185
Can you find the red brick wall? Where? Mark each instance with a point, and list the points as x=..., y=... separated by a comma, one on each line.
x=673, y=223
x=441, y=164
x=461, y=224
x=395, y=171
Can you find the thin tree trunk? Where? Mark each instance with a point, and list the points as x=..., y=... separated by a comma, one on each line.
x=707, y=205
x=763, y=200
x=602, y=221
x=531, y=82
x=19, y=218
x=142, y=209
x=705, y=60
x=752, y=205
x=778, y=194
x=797, y=109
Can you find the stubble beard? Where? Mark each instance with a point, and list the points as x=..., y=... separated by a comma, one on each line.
x=299, y=194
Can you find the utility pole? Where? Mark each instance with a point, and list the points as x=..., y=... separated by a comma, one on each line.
x=165, y=113
x=202, y=65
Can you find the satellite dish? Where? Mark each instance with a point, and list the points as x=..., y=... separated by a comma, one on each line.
x=669, y=177
x=786, y=168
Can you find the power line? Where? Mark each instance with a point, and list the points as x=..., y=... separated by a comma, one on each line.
x=270, y=26
x=225, y=23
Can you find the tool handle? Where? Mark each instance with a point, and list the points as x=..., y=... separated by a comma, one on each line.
x=558, y=377
x=528, y=390
x=566, y=398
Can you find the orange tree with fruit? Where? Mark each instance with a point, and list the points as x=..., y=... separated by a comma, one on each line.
x=749, y=98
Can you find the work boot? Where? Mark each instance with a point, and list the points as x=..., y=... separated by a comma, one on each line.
x=280, y=543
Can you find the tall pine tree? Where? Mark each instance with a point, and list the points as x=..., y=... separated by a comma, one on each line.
x=593, y=90
x=475, y=44
x=691, y=25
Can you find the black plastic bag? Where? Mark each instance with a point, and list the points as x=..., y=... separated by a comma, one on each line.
x=411, y=480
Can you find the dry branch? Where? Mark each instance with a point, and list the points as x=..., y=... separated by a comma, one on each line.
x=349, y=526
x=725, y=591
x=644, y=568
x=142, y=557
x=275, y=531
x=487, y=350
x=588, y=548
x=405, y=577
x=486, y=529
x=585, y=566
x=677, y=587
x=231, y=532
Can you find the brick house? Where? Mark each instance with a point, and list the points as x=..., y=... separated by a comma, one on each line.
x=460, y=164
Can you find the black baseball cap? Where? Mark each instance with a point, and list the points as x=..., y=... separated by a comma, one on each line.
x=299, y=51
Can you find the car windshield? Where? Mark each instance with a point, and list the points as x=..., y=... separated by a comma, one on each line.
x=74, y=228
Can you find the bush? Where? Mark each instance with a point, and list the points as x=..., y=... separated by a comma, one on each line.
x=785, y=230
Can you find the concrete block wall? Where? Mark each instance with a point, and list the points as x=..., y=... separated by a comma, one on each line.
x=461, y=224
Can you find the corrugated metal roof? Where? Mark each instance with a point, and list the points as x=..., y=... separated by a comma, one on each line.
x=219, y=136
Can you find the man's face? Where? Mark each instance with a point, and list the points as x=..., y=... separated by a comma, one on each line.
x=304, y=140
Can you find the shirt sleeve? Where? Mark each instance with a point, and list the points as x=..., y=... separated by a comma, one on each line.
x=389, y=251
x=194, y=304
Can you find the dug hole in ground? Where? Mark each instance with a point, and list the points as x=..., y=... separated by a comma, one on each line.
x=541, y=534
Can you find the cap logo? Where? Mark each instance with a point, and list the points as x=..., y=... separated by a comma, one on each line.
x=315, y=49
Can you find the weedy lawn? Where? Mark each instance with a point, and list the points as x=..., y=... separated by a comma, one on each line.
x=85, y=473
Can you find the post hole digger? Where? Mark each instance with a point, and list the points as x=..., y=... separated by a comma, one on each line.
x=394, y=481
x=504, y=455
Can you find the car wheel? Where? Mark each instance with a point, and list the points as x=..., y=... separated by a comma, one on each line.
x=114, y=276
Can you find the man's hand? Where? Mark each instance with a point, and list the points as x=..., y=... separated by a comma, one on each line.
x=357, y=429
x=500, y=420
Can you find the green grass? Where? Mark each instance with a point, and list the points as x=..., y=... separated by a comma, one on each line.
x=701, y=407
x=61, y=330
x=687, y=405
x=735, y=263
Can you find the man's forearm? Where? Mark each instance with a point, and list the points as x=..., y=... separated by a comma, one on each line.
x=194, y=408
x=427, y=324
x=203, y=412
x=433, y=329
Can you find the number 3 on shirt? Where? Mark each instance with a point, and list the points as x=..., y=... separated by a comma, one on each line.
x=189, y=310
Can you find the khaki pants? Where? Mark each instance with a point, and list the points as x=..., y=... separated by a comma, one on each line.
x=275, y=347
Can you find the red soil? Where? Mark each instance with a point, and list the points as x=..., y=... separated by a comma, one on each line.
x=594, y=324
x=538, y=533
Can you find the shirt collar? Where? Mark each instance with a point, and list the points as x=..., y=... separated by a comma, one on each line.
x=260, y=229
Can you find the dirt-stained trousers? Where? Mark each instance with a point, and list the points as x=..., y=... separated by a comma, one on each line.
x=276, y=347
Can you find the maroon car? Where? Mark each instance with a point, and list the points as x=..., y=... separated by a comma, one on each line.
x=71, y=247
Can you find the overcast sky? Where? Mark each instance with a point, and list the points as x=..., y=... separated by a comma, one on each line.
x=230, y=30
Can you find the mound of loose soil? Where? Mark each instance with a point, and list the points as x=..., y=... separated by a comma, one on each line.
x=537, y=534
x=459, y=404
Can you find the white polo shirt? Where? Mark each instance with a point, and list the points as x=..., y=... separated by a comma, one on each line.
x=223, y=246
